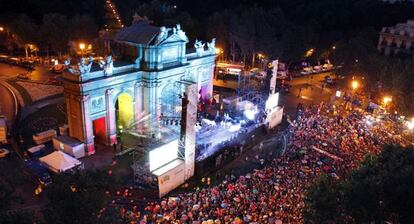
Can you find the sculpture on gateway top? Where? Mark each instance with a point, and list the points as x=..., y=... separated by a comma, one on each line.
x=107, y=65
x=180, y=32
x=199, y=46
x=162, y=35
x=83, y=67
x=212, y=46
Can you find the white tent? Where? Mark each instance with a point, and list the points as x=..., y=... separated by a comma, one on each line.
x=59, y=161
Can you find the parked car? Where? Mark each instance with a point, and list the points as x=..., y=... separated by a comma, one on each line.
x=4, y=152
x=306, y=71
x=317, y=69
x=53, y=81
x=22, y=76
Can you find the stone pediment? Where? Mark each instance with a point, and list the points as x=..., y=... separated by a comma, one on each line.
x=174, y=38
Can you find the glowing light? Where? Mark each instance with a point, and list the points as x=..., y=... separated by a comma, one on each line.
x=338, y=93
x=272, y=102
x=163, y=155
x=82, y=46
x=235, y=127
x=1, y=28
x=250, y=114
x=219, y=50
x=386, y=100
x=354, y=84
x=309, y=52
x=410, y=124
x=125, y=109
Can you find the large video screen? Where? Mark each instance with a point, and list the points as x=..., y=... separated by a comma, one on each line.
x=162, y=155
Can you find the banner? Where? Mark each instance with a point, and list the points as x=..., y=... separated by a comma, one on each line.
x=275, y=65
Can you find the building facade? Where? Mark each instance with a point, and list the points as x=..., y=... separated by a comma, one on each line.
x=105, y=97
x=397, y=40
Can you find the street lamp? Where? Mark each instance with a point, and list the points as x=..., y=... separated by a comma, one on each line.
x=82, y=47
x=386, y=100
x=1, y=28
x=410, y=124
x=309, y=52
x=354, y=84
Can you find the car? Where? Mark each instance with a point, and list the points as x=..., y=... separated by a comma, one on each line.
x=53, y=81
x=22, y=76
x=306, y=71
x=4, y=152
x=317, y=69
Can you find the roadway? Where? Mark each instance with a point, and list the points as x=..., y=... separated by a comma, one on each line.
x=309, y=89
x=8, y=105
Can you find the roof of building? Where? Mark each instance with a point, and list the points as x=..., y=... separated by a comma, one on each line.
x=140, y=32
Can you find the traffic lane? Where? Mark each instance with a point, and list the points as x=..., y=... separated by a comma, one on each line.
x=40, y=73
x=306, y=91
x=310, y=78
x=7, y=105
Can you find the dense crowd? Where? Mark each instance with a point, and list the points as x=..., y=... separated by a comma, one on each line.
x=322, y=141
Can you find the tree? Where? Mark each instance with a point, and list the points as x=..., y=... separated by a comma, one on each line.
x=7, y=196
x=25, y=29
x=380, y=190
x=78, y=198
x=322, y=201
x=54, y=33
x=82, y=27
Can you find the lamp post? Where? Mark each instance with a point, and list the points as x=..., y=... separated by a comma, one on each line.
x=386, y=101
x=354, y=85
x=219, y=52
x=82, y=47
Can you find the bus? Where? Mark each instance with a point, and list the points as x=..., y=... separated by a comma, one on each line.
x=228, y=71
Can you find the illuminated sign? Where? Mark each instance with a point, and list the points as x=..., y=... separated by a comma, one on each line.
x=274, y=76
x=163, y=155
x=272, y=102
x=338, y=93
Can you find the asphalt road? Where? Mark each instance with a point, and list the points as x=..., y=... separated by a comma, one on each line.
x=310, y=89
x=41, y=73
x=7, y=101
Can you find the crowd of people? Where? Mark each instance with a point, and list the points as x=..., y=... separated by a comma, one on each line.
x=322, y=141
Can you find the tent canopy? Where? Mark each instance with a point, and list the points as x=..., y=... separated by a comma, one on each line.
x=59, y=161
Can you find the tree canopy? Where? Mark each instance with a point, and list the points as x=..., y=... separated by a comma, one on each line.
x=379, y=191
x=78, y=198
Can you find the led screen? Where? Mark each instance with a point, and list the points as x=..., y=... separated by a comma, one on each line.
x=163, y=155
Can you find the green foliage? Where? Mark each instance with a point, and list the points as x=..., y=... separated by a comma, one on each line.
x=7, y=216
x=77, y=198
x=326, y=208
x=380, y=190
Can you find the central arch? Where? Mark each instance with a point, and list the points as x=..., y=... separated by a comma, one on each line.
x=170, y=100
x=124, y=111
